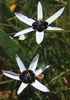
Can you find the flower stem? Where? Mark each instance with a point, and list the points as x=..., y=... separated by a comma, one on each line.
x=44, y=52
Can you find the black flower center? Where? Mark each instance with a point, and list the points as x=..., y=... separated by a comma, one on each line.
x=40, y=25
x=27, y=76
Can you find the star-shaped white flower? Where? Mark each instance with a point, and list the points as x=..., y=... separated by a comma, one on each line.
x=28, y=76
x=39, y=25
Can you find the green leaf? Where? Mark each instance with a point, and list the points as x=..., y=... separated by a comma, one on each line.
x=10, y=46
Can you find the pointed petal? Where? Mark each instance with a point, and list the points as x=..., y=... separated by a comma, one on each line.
x=25, y=31
x=20, y=64
x=53, y=28
x=11, y=74
x=40, y=86
x=55, y=16
x=39, y=12
x=39, y=71
x=24, y=19
x=21, y=88
x=22, y=37
x=34, y=62
x=39, y=36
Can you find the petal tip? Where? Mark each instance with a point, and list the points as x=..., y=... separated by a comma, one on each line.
x=62, y=9
x=48, y=90
x=62, y=29
x=15, y=35
x=16, y=55
x=3, y=71
x=38, y=42
x=38, y=55
x=16, y=13
x=39, y=3
x=18, y=92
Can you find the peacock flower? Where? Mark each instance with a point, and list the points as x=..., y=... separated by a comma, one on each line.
x=38, y=25
x=28, y=76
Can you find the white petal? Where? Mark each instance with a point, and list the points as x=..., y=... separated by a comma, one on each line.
x=21, y=88
x=20, y=64
x=39, y=36
x=34, y=62
x=40, y=86
x=25, y=31
x=22, y=37
x=11, y=74
x=39, y=71
x=55, y=16
x=53, y=28
x=24, y=19
x=39, y=12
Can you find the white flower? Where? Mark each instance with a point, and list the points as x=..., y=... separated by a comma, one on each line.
x=22, y=37
x=39, y=25
x=28, y=76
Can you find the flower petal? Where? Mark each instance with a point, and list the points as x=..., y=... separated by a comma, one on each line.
x=21, y=88
x=22, y=37
x=40, y=86
x=39, y=71
x=11, y=74
x=20, y=64
x=53, y=28
x=39, y=12
x=34, y=62
x=25, y=31
x=39, y=36
x=55, y=16
x=24, y=19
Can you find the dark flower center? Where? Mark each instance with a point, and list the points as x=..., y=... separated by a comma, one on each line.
x=40, y=25
x=27, y=76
